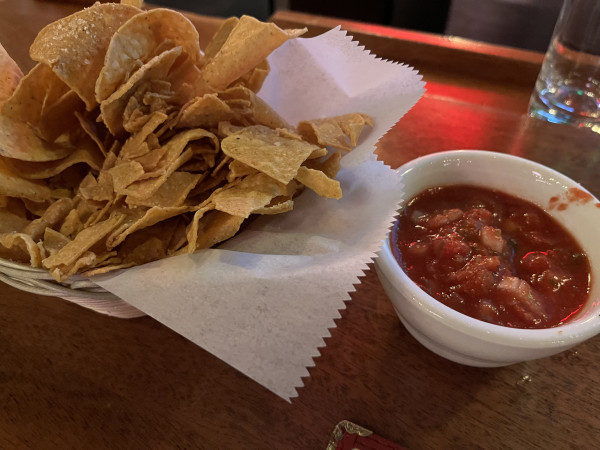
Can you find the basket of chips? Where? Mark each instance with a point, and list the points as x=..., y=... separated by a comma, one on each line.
x=127, y=143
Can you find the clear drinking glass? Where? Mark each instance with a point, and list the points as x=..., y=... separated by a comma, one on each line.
x=568, y=86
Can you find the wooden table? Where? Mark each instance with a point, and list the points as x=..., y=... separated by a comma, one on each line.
x=70, y=378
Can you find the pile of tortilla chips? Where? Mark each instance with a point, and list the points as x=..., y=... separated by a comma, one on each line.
x=127, y=143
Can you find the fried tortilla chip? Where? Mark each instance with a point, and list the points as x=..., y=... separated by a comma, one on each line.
x=10, y=75
x=246, y=46
x=114, y=106
x=19, y=141
x=21, y=248
x=136, y=41
x=12, y=185
x=319, y=182
x=269, y=151
x=340, y=132
x=82, y=243
x=40, y=170
x=75, y=46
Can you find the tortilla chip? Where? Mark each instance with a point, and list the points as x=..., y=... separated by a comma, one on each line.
x=136, y=41
x=75, y=46
x=10, y=75
x=113, y=107
x=216, y=227
x=41, y=170
x=11, y=222
x=340, y=132
x=247, y=45
x=82, y=242
x=251, y=193
x=12, y=185
x=204, y=112
x=172, y=192
x=268, y=151
x=20, y=247
x=319, y=182
x=53, y=215
x=19, y=141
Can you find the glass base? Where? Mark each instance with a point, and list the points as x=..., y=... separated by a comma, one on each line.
x=569, y=106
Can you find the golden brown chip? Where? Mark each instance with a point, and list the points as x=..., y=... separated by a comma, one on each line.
x=340, y=132
x=124, y=174
x=36, y=91
x=172, y=193
x=251, y=193
x=12, y=185
x=10, y=75
x=53, y=215
x=134, y=146
x=11, y=222
x=75, y=46
x=147, y=147
x=54, y=241
x=247, y=45
x=220, y=37
x=41, y=170
x=329, y=166
x=277, y=208
x=152, y=216
x=136, y=41
x=216, y=227
x=319, y=182
x=268, y=151
x=20, y=247
x=100, y=189
x=19, y=141
x=204, y=112
x=114, y=106
x=72, y=224
x=82, y=243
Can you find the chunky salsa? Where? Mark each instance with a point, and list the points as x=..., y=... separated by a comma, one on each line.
x=492, y=256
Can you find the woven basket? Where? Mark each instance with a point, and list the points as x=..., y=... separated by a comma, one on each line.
x=77, y=290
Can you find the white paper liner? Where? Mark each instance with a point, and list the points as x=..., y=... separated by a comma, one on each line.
x=264, y=301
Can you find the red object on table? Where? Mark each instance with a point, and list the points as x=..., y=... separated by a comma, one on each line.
x=349, y=436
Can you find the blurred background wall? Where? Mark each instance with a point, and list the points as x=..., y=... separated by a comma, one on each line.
x=525, y=24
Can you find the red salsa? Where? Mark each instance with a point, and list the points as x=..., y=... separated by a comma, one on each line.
x=492, y=256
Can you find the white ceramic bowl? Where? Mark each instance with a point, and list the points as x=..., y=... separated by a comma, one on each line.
x=469, y=341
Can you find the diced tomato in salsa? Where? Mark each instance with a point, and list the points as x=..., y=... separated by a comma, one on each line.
x=492, y=256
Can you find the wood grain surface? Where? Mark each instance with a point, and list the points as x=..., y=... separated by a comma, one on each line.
x=71, y=378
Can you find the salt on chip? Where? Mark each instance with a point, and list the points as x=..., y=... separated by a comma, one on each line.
x=268, y=151
x=75, y=46
x=135, y=42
